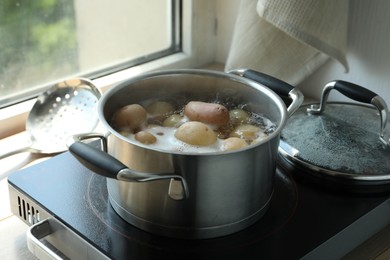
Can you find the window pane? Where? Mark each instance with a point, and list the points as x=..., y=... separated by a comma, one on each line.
x=42, y=41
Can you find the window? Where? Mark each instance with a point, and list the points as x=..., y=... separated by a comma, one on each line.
x=43, y=41
x=194, y=47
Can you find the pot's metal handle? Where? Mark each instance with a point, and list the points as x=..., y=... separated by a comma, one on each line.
x=278, y=86
x=357, y=93
x=104, y=164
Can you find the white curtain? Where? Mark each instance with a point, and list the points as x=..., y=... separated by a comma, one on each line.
x=289, y=39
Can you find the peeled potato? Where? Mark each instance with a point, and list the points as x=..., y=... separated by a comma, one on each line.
x=233, y=143
x=145, y=137
x=239, y=116
x=131, y=116
x=172, y=121
x=159, y=108
x=208, y=113
x=196, y=133
x=246, y=132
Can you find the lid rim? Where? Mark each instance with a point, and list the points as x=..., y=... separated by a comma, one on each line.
x=330, y=173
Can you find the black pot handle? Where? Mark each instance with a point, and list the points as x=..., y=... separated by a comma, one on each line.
x=357, y=93
x=97, y=161
x=104, y=164
x=278, y=86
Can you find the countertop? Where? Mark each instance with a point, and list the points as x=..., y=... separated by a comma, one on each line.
x=13, y=243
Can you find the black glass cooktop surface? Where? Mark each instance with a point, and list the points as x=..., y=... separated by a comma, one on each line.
x=303, y=220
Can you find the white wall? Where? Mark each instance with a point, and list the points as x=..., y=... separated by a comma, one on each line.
x=226, y=17
x=117, y=30
x=368, y=52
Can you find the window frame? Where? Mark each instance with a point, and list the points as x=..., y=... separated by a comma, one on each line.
x=198, y=48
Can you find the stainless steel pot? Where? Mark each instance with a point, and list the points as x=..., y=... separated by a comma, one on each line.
x=187, y=195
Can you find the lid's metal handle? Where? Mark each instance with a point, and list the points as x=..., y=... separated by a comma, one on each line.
x=357, y=93
x=278, y=86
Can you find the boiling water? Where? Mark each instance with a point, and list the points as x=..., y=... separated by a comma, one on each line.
x=166, y=139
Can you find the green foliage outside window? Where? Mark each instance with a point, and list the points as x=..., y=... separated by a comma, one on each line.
x=37, y=37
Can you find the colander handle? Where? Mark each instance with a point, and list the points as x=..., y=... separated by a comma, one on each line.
x=357, y=93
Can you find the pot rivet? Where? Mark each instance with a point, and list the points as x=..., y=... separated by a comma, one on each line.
x=176, y=191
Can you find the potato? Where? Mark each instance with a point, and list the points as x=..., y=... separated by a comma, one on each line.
x=172, y=121
x=246, y=132
x=131, y=116
x=233, y=143
x=125, y=133
x=160, y=108
x=239, y=116
x=196, y=133
x=145, y=137
x=208, y=113
x=261, y=136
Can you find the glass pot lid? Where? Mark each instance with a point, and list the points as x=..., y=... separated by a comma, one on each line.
x=340, y=140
